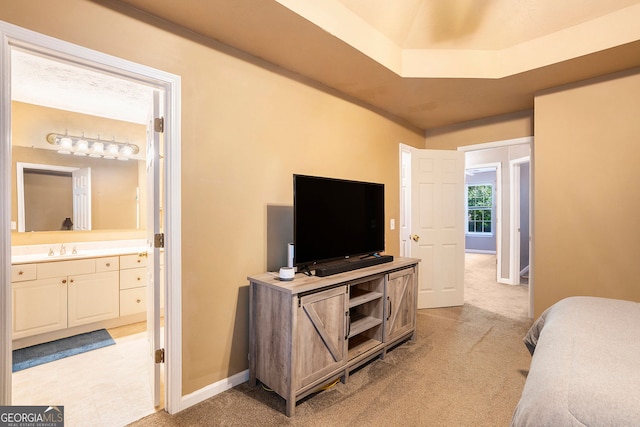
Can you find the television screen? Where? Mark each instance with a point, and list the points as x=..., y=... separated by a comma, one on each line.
x=335, y=218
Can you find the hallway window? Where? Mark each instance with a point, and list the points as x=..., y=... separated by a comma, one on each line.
x=479, y=208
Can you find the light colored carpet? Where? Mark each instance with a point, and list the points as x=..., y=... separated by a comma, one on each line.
x=482, y=290
x=467, y=367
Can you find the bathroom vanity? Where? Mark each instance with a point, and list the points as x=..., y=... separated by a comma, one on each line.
x=61, y=296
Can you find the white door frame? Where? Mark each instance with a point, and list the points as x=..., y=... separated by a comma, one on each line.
x=514, y=210
x=14, y=36
x=405, y=200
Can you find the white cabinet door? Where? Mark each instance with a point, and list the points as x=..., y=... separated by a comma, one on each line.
x=93, y=297
x=39, y=306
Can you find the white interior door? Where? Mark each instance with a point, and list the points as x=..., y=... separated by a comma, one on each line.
x=437, y=224
x=153, y=264
x=81, y=181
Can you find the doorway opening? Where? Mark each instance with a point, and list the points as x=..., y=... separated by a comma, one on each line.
x=161, y=100
x=502, y=156
x=124, y=378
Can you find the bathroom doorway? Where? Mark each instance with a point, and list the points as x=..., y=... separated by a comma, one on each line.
x=23, y=47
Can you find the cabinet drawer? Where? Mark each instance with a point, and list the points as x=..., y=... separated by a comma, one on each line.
x=65, y=268
x=107, y=264
x=22, y=272
x=133, y=301
x=133, y=261
x=133, y=278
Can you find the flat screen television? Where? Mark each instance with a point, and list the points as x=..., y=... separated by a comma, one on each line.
x=336, y=219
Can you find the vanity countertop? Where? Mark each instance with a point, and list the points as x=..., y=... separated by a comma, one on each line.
x=83, y=251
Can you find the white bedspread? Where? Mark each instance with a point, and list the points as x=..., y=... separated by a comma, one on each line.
x=585, y=366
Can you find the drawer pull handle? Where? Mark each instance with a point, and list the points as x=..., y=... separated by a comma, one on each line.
x=139, y=261
x=71, y=281
x=108, y=264
x=138, y=300
x=138, y=279
x=20, y=273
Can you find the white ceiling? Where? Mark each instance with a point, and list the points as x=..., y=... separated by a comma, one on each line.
x=475, y=24
x=48, y=82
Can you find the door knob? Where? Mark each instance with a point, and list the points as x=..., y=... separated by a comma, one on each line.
x=415, y=237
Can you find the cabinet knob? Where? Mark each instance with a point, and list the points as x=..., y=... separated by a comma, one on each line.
x=64, y=281
x=108, y=264
x=139, y=261
x=139, y=279
x=20, y=273
x=71, y=281
x=138, y=300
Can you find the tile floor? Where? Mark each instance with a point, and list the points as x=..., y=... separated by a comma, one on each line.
x=102, y=388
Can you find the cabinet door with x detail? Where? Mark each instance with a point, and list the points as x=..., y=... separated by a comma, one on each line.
x=320, y=330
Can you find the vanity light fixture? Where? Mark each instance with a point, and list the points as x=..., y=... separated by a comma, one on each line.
x=94, y=147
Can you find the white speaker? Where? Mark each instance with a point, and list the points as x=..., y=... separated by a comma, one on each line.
x=290, y=255
x=287, y=273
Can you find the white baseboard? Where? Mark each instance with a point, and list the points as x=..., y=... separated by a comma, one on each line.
x=213, y=389
x=479, y=251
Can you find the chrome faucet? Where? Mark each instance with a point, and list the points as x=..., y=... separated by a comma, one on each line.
x=63, y=250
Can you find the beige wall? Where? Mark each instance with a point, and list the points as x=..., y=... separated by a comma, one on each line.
x=586, y=190
x=498, y=128
x=246, y=128
x=113, y=182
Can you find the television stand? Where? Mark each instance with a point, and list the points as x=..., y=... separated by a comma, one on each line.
x=349, y=264
x=308, y=332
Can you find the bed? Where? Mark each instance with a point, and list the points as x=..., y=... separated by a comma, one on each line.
x=585, y=365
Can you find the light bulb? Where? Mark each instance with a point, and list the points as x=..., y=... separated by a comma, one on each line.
x=82, y=146
x=125, y=152
x=97, y=149
x=112, y=151
x=65, y=145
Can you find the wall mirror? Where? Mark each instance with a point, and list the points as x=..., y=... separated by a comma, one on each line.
x=53, y=197
x=95, y=194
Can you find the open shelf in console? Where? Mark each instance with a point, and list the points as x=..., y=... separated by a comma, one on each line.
x=365, y=315
x=360, y=344
x=361, y=323
x=360, y=296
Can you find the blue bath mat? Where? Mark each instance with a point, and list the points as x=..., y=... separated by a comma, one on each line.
x=48, y=352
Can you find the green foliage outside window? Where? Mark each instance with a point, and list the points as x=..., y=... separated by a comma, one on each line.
x=479, y=208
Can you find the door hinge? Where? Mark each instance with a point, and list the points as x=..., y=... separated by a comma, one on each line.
x=160, y=355
x=158, y=241
x=158, y=124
